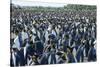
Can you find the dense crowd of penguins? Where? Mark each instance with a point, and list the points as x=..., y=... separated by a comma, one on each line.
x=38, y=38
